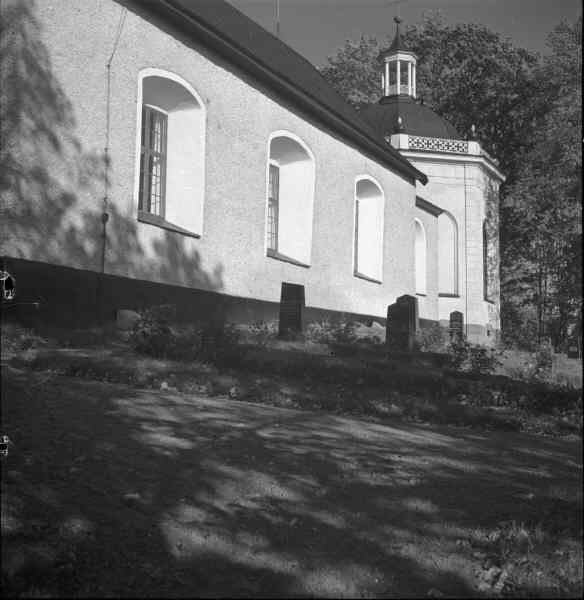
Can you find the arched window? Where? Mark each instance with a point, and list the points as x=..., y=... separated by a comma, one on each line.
x=171, y=126
x=447, y=255
x=487, y=277
x=420, y=256
x=369, y=208
x=289, y=199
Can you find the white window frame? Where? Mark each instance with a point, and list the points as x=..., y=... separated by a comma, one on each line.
x=165, y=74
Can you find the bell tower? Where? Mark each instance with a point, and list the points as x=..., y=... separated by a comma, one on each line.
x=398, y=76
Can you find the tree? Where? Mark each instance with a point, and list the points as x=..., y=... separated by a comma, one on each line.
x=352, y=71
x=542, y=212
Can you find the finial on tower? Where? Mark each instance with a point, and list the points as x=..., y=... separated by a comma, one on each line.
x=397, y=43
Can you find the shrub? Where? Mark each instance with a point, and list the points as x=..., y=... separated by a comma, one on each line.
x=344, y=332
x=331, y=332
x=482, y=360
x=221, y=343
x=319, y=332
x=261, y=332
x=152, y=334
x=18, y=339
x=474, y=358
x=432, y=338
x=155, y=335
x=544, y=356
x=458, y=350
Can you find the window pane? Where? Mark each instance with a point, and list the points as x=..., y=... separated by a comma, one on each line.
x=357, y=234
x=274, y=182
x=392, y=73
x=153, y=161
x=404, y=72
x=273, y=195
x=369, y=236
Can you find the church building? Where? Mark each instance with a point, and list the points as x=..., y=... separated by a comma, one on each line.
x=174, y=151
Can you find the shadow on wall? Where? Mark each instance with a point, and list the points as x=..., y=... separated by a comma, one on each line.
x=52, y=188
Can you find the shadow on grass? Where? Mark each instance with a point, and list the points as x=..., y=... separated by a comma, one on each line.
x=140, y=493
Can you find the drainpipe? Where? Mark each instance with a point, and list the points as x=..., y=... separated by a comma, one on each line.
x=106, y=174
x=465, y=257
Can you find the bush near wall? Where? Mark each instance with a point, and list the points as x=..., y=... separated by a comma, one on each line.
x=158, y=335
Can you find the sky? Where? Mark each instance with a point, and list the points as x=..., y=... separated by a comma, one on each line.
x=316, y=28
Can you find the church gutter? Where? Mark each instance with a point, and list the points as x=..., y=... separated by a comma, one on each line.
x=207, y=35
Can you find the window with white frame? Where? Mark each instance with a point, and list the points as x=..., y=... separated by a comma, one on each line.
x=290, y=198
x=153, y=161
x=170, y=187
x=447, y=255
x=420, y=256
x=273, y=198
x=369, y=217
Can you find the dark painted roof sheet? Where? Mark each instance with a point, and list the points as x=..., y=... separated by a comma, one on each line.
x=398, y=44
x=241, y=36
x=417, y=119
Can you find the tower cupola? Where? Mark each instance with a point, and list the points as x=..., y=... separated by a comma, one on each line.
x=398, y=76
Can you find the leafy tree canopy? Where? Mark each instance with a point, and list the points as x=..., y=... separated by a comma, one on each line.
x=542, y=211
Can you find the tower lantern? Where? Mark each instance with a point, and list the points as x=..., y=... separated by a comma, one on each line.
x=398, y=67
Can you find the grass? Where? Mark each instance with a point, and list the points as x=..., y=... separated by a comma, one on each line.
x=365, y=502
x=564, y=372
x=350, y=379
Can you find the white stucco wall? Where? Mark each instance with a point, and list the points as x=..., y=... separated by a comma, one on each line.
x=468, y=192
x=230, y=257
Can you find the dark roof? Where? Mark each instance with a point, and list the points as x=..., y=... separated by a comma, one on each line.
x=224, y=29
x=417, y=119
x=398, y=44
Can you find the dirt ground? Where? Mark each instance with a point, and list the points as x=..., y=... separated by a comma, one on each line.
x=109, y=490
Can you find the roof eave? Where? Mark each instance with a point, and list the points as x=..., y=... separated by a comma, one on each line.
x=428, y=207
x=212, y=38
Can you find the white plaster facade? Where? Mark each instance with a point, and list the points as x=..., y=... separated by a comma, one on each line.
x=241, y=119
x=100, y=56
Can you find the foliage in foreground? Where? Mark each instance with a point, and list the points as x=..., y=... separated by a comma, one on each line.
x=332, y=332
x=475, y=358
x=158, y=335
x=419, y=387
